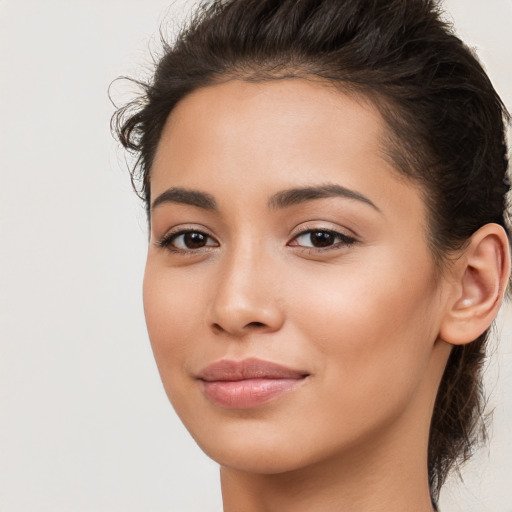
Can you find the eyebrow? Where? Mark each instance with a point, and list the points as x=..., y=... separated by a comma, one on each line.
x=184, y=196
x=280, y=200
x=294, y=196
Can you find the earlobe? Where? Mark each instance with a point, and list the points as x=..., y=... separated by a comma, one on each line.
x=481, y=276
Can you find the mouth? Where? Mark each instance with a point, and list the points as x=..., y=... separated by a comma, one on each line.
x=248, y=383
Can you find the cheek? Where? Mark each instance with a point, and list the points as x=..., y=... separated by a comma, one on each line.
x=173, y=314
x=373, y=325
x=365, y=296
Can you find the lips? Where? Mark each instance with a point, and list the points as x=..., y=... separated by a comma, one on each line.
x=248, y=383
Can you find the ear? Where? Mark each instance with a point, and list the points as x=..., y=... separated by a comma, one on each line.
x=481, y=276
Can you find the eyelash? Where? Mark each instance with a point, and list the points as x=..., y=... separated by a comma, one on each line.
x=343, y=240
x=166, y=242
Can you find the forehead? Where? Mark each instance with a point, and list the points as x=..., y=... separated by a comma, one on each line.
x=241, y=137
x=247, y=112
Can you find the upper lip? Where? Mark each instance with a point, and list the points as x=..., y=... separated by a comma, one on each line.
x=252, y=368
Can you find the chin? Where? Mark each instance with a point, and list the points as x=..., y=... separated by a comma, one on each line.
x=257, y=459
x=256, y=448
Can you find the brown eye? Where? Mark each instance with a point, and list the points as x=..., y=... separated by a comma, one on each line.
x=188, y=241
x=194, y=240
x=322, y=239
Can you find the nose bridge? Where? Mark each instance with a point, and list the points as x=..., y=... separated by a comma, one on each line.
x=246, y=294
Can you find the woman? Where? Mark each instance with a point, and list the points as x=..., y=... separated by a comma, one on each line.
x=325, y=185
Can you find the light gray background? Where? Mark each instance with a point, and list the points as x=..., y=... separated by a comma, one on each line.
x=84, y=422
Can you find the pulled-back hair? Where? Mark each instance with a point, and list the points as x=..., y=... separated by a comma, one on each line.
x=446, y=129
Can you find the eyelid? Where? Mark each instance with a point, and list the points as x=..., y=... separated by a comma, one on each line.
x=165, y=241
x=346, y=238
x=319, y=225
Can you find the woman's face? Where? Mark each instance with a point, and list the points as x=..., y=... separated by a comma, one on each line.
x=289, y=291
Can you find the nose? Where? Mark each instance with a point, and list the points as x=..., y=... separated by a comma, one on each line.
x=246, y=299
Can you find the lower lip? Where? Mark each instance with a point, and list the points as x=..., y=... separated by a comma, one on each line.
x=248, y=393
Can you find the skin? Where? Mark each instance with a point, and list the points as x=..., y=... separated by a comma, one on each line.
x=361, y=318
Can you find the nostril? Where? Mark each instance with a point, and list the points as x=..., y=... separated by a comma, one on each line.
x=256, y=324
x=218, y=329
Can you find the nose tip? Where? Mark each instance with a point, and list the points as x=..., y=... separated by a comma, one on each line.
x=242, y=320
x=241, y=307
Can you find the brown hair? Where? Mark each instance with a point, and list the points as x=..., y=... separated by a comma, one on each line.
x=446, y=129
